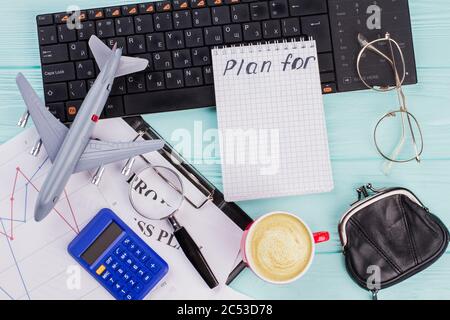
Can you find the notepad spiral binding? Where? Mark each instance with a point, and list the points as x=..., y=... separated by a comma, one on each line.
x=259, y=46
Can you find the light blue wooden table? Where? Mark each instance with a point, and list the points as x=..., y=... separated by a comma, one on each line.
x=350, y=119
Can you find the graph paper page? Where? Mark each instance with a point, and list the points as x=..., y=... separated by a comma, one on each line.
x=271, y=121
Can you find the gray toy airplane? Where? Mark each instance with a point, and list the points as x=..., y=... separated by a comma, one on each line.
x=72, y=150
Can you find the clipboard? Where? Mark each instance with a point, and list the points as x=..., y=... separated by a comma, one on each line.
x=210, y=192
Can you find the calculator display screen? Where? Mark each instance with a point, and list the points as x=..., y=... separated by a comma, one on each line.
x=103, y=241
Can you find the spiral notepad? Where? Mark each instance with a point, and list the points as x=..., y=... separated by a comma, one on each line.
x=271, y=121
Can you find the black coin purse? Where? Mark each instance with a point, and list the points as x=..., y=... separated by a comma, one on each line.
x=388, y=236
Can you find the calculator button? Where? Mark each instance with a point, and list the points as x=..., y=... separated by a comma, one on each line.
x=147, y=278
x=120, y=271
x=131, y=282
x=144, y=257
x=129, y=261
x=132, y=246
x=115, y=265
x=106, y=275
x=135, y=267
x=123, y=256
x=111, y=281
x=128, y=296
x=126, y=276
x=140, y=273
x=100, y=269
x=126, y=241
x=138, y=287
x=153, y=267
x=109, y=260
x=138, y=252
x=122, y=292
x=117, y=286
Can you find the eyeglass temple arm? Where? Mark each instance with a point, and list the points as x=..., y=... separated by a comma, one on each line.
x=365, y=43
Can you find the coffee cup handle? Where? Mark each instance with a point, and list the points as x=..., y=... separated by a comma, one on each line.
x=321, y=236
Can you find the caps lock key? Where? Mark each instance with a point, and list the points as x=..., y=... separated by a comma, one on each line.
x=58, y=72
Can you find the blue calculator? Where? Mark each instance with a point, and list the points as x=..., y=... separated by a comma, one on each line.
x=114, y=255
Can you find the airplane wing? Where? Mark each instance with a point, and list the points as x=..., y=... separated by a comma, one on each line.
x=51, y=130
x=98, y=153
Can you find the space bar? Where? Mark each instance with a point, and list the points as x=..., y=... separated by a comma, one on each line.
x=169, y=100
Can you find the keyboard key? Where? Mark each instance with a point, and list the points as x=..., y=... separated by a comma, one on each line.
x=105, y=28
x=111, y=281
x=327, y=77
x=159, y=101
x=120, y=271
x=198, y=4
x=129, y=10
x=252, y=31
x=136, y=44
x=85, y=69
x=155, y=81
x=77, y=89
x=119, y=87
x=291, y=27
x=126, y=241
x=326, y=63
x=78, y=51
x=213, y=35
x=114, y=107
x=54, y=53
x=106, y=275
x=58, y=72
x=143, y=24
x=134, y=267
x=121, y=43
x=117, y=287
x=87, y=30
x=61, y=18
x=44, y=20
x=232, y=33
x=201, y=56
x=182, y=58
x=271, y=29
x=220, y=15
x=144, y=257
x=208, y=76
x=131, y=283
x=174, y=40
x=95, y=14
x=162, y=21
x=174, y=79
x=318, y=27
x=138, y=252
x=180, y=4
x=148, y=57
x=140, y=273
x=163, y=6
x=194, y=37
x=128, y=296
x=307, y=7
x=72, y=108
x=279, y=8
x=240, y=13
x=47, y=35
x=231, y=1
x=146, y=8
x=193, y=77
x=124, y=26
x=156, y=42
x=58, y=110
x=201, y=17
x=123, y=256
x=115, y=265
x=135, y=84
x=112, y=12
x=129, y=262
x=329, y=88
x=213, y=3
x=162, y=60
x=259, y=11
x=66, y=35
x=182, y=19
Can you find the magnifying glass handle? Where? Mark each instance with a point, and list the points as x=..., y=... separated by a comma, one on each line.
x=192, y=252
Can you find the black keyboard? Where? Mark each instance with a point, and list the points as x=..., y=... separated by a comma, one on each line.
x=177, y=36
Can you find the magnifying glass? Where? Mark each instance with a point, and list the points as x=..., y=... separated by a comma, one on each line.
x=156, y=193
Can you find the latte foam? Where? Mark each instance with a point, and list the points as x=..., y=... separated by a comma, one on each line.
x=280, y=247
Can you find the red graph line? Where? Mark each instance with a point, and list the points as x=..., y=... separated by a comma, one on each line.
x=11, y=235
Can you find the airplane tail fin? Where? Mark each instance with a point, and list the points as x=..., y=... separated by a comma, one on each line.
x=127, y=64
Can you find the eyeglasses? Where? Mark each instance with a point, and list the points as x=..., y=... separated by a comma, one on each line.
x=382, y=54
